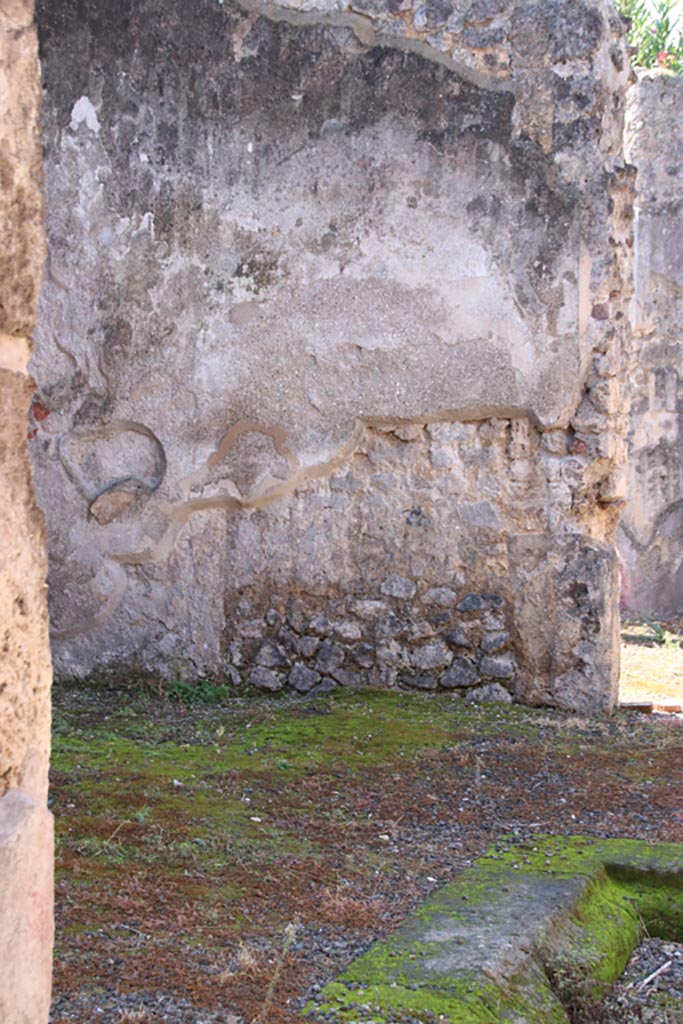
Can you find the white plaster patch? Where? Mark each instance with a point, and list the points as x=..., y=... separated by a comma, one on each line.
x=146, y=226
x=84, y=112
x=14, y=353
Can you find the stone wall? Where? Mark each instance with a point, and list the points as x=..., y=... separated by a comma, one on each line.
x=25, y=673
x=651, y=530
x=331, y=354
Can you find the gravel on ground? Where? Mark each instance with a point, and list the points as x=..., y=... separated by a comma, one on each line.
x=219, y=864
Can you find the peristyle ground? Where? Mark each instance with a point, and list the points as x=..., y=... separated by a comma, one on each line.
x=224, y=860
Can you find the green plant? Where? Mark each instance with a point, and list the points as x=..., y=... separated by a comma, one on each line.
x=142, y=815
x=92, y=846
x=204, y=691
x=655, y=32
x=659, y=635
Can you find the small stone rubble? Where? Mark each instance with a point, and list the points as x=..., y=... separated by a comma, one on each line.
x=437, y=640
x=136, y=1008
x=641, y=994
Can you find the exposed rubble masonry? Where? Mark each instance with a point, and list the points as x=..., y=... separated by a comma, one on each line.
x=332, y=343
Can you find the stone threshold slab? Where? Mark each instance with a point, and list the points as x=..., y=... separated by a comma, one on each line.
x=515, y=934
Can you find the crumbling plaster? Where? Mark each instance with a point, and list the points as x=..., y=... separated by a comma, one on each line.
x=318, y=278
x=651, y=530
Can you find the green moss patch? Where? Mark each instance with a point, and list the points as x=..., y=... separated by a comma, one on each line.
x=191, y=836
x=516, y=934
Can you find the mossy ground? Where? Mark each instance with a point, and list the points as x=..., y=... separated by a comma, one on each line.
x=612, y=894
x=190, y=837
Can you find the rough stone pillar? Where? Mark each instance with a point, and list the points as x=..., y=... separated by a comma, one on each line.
x=26, y=849
x=651, y=530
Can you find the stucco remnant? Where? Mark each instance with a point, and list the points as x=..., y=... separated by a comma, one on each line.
x=25, y=672
x=26, y=928
x=651, y=531
x=354, y=278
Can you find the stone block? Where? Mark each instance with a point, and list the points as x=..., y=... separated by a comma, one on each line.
x=264, y=679
x=432, y=656
x=302, y=678
x=330, y=656
x=460, y=675
x=501, y=666
x=490, y=693
x=488, y=946
x=398, y=586
x=271, y=655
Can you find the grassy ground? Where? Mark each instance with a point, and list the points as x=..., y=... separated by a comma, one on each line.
x=234, y=857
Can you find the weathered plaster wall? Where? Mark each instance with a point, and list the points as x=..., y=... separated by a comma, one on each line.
x=334, y=300
x=25, y=673
x=651, y=530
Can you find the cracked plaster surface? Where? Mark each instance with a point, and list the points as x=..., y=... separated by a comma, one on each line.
x=650, y=536
x=294, y=226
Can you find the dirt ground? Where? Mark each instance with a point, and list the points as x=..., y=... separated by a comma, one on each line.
x=217, y=863
x=652, y=663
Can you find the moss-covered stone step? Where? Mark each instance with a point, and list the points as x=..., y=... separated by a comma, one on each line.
x=526, y=926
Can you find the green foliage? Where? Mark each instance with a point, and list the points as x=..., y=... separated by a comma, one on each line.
x=204, y=691
x=659, y=634
x=594, y=899
x=655, y=32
